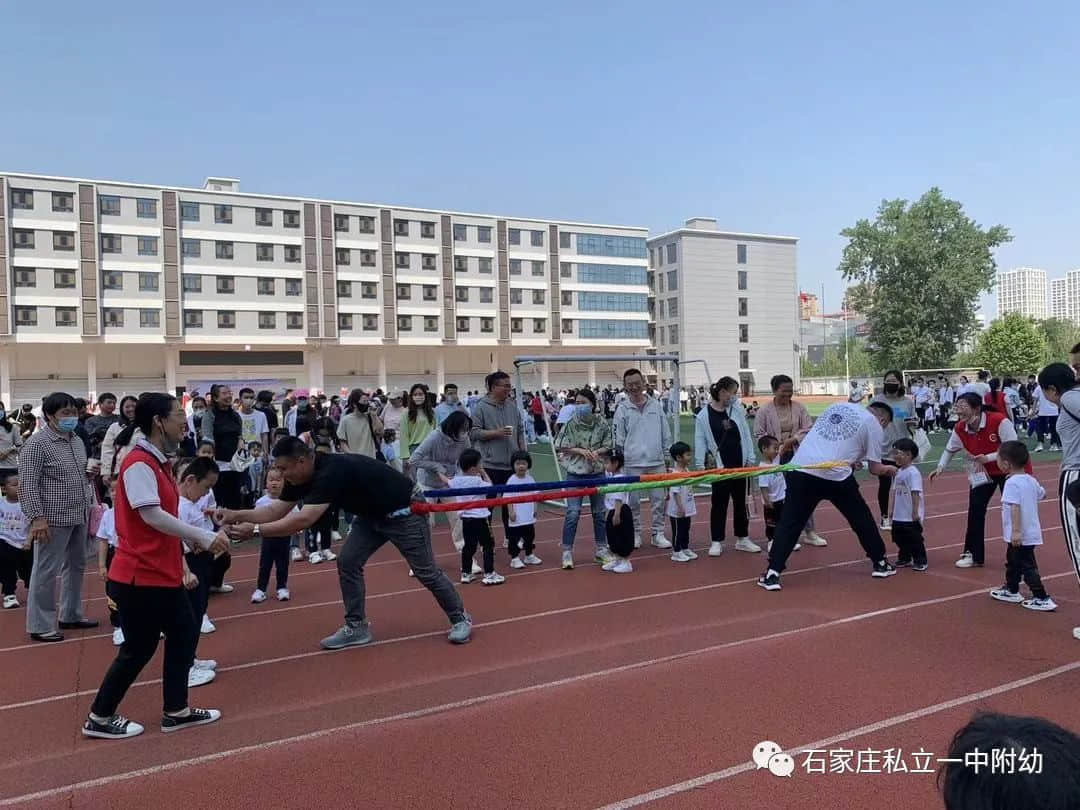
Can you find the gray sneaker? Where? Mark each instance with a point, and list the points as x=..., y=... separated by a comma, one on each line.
x=348, y=636
x=460, y=631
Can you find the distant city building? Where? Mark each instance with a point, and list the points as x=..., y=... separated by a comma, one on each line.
x=817, y=334
x=809, y=306
x=1059, y=298
x=1022, y=290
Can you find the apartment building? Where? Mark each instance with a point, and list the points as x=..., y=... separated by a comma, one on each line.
x=1022, y=290
x=134, y=287
x=1059, y=298
x=730, y=299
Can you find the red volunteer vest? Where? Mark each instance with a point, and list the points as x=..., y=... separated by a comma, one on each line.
x=145, y=556
x=985, y=441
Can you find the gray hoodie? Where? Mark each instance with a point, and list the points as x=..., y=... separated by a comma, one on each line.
x=490, y=415
x=438, y=453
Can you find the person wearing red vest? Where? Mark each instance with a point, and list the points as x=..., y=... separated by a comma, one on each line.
x=979, y=433
x=147, y=578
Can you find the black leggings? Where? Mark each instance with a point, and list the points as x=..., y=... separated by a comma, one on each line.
x=319, y=536
x=884, y=484
x=620, y=538
x=274, y=552
x=477, y=532
x=721, y=491
x=15, y=564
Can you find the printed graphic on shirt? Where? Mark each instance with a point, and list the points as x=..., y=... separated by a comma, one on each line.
x=838, y=423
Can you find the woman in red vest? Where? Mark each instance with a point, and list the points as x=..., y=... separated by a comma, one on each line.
x=979, y=433
x=147, y=578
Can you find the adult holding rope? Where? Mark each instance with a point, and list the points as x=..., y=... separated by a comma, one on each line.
x=978, y=432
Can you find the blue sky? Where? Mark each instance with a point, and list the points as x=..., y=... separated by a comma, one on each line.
x=786, y=117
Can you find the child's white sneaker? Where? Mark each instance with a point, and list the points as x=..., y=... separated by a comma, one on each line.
x=746, y=544
x=610, y=565
x=283, y=595
x=716, y=548
x=690, y=553
x=296, y=555
x=494, y=578
x=1003, y=594
x=207, y=625
x=258, y=596
x=660, y=541
x=476, y=569
x=117, y=637
x=199, y=677
x=10, y=601
x=466, y=578
x=623, y=567
x=532, y=559
x=517, y=562
x=1044, y=604
x=679, y=557
x=315, y=557
x=329, y=556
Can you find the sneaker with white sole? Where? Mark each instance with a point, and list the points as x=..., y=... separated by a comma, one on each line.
x=660, y=541
x=476, y=569
x=258, y=596
x=637, y=541
x=603, y=556
x=768, y=547
x=1076, y=633
x=886, y=524
x=204, y=663
x=348, y=636
x=314, y=558
x=623, y=567
x=813, y=539
x=882, y=569
x=283, y=595
x=116, y=727
x=1003, y=594
x=335, y=536
x=328, y=555
x=199, y=677
x=460, y=631
x=770, y=581
x=11, y=601
x=690, y=553
x=1054, y=449
x=117, y=637
x=716, y=548
x=966, y=560
x=567, y=560
x=224, y=587
x=919, y=566
x=296, y=555
x=517, y=562
x=1038, y=448
x=679, y=557
x=748, y=545
x=1044, y=603
x=194, y=717
x=459, y=545
x=207, y=625
x=610, y=566
x=494, y=578
x=467, y=578
x=532, y=559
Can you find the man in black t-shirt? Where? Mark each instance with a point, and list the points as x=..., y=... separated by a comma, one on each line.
x=381, y=498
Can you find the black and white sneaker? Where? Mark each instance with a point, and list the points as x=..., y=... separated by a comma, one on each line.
x=883, y=568
x=770, y=581
x=903, y=562
x=919, y=566
x=197, y=717
x=116, y=727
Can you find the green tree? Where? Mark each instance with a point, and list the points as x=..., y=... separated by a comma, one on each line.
x=1011, y=345
x=922, y=266
x=1060, y=335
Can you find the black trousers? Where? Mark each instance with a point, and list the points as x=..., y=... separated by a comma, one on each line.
x=15, y=564
x=773, y=513
x=804, y=493
x=620, y=538
x=274, y=552
x=734, y=489
x=229, y=489
x=1048, y=424
x=148, y=612
x=319, y=536
x=499, y=477
x=1020, y=564
x=110, y=601
x=908, y=536
x=202, y=566
x=520, y=538
x=884, y=485
x=216, y=572
x=477, y=532
x=978, y=501
x=680, y=531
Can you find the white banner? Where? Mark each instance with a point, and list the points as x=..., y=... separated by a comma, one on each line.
x=202, y=386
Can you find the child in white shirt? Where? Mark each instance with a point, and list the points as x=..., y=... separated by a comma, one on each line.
x=773, y=488
x=107, y=540
x=274, y=551
x=195, y=480
x=475, y=523
x=619, y=523
x=907, y=507
x=16, y=549
x=1020, y=528
x=681, y=507
x=521, y=533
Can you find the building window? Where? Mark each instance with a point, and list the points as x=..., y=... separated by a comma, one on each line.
x=146, y=208
x=431, y=323
x=189, y=211
x=538, y=296
x=515, y=296
x=148, y=246
x=461, y=233
x=627, y=247
x=26, y=316
x=427, y=261
x=461, y=264
x=567, y=298
x=740, y=254
x=193, y=318
x=226, y=285
x=672, y=253
x=742, y=279
x=660, y=308
x=626, y=330
x=294, y=320
x=22, y=199
x=673, y=307
x=110, y=243
x=566, y=270
x=614, y=302
x=264, y=217
x=343, y=256
x=292, y=254
x=268, y=320
x=264, y=253
x=401, y=227
x=265, y=286
x=673, y=280
x=64, y=279
x=66, y=316
x=536, y=238
x=461, y=294
x=191, y=248
x=226, y=319
x=614, y=274
x=743, y=307
x=487, y=324
x=404, y=323
x=367, y=258
x=23, y=238
x=539, y=325
x=367, y=224
x=744, y=359
x=223, y=216
x=673, y=333
x=462, y=324
x=487, y=295
x=430, y=292
x=192, y=283
x=401, y=260
x=485, y=265
x=538, y=269
x=341, y=223
x=62, y=201
x=515, y=267
x=26, y=278
x=516, y=325
x=148, y=282
x=65, y=240
x=515, y=236
x=427, y=230
x=150, y=318
x=660, y=280
x=483, y=233
x=567, y=327
x=345, y=321
x=290, y=219
x=113, y=281
x=369, y=289
x=293, y=286
x=371, y=323
x=109, y=206
x=223, y=250
x=744, y=333
x=404, y=292
x=344, y=289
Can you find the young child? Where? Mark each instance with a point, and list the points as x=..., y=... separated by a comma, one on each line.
x=521, y=533
x=320, y=537
x=474, y=522
x=196, y=478
x=907, y=507
x=274, y=551
x=257, y=469
x=1020, y=528
x=619, y=522
x=389, y=451
x=773, y=488
x=106, y=537
x=16, y=549
x=680, y=506
x=209, y=503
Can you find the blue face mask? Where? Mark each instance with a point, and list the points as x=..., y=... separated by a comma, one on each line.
x=584, y=409
x=67, y=423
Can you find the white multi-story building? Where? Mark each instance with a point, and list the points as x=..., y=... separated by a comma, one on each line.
x=1059, y=298
x=731, y=299
x=1022, y=290
x=134, y=287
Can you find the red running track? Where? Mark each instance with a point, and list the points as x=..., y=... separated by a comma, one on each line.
x=580, y=689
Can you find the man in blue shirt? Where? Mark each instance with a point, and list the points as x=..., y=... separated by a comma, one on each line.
x=449, y=404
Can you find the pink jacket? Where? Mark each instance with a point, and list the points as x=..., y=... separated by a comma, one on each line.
x=767, y=421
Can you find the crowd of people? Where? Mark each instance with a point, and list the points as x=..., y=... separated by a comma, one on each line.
x=156, y=489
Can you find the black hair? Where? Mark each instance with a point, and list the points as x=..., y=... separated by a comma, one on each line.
x=899, y=378
x=521, y=455
x=291, y=447
x=882, y=408
x=907, y=446
x=588, y=394
x=678, y=449
x=1058, y=376
x=766, y=441
x=215, y=389
x=454, y=423
x=724, y=384
x=354, y=399
x=468, y=459
x=617, y=457
x=1056, y=784
x=102, y=397
x=1016, y=453
x=448, y=386
x=995, y=385
x=630, y=372
x=982, y=375
x=428, y=410
x=198, y=398
x=120, y=407
x=80, y=403
x=201, y=468
x=205, y=440
x=149, y=405
x=246, y=391
x=494, y=377
x=57, y=402
x=972, y=399
x=778, y=380
x=6, y=474
x=6, y=421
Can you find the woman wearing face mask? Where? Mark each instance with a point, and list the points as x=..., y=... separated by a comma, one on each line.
x=580, y=447
x=360, y=429
x=10, y=441
x=300, y=419
x=721, y=429
x=903, y=408
x=435, y=462
x=418, y=422
x=112, y=454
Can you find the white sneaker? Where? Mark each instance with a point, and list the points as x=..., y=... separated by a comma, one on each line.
x=1076, y=633
x=314, y=558
x=411, y=574
x=224, y=587
x=966, y=560
x=886, y=525
x=1055, y=449
x=623, y=567
x=199, y=677
x=335, y=536
x=466, y=578
x=117, y=637
x=329, y=556
x=679, y=557
x=296, y=555
x=283, y=595
x=813, y=539
x=716, y=548
x=207, y=625
x=517, y=562
x=204, y=663
x=690, y=553
x=637, y=541
x=1035, y=603
x=1005, y=595
x=603, y=556
x=610, y=566
x=567, y=560
x=532, y=559
x=258, y=596
x=459, y=545
x=494, y=578
x=506, y=543
x=746, y=544
x=476, y=569
x=10, y=601
x=660, y=541
x=1038, y=448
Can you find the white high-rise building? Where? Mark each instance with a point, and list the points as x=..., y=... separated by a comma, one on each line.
x=1059, y=299
x=1022, y=290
